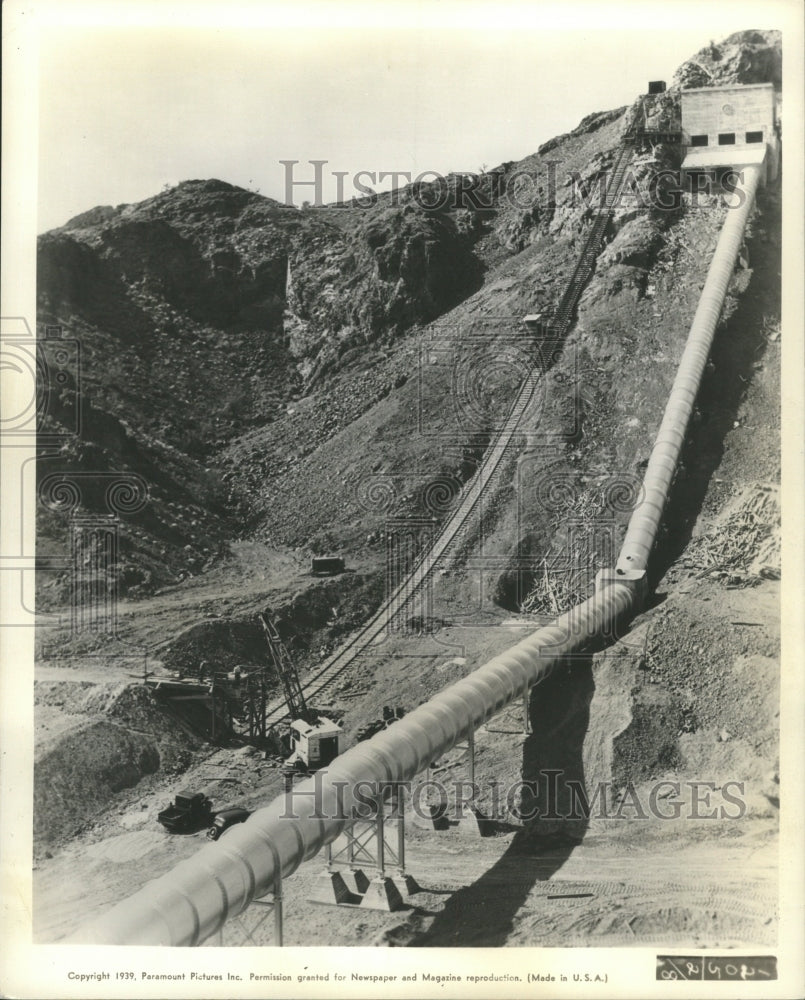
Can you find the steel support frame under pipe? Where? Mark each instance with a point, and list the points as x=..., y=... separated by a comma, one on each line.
x=275, y=905
x=364, y=831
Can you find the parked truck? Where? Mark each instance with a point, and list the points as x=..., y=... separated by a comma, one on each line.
x=190, y=811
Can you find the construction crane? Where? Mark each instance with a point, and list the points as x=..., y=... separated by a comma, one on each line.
x=315, y=740
x=286, y=671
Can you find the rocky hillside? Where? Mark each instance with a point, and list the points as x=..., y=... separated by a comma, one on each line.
x=289, y=382
x=745, y=57
x=261, y=366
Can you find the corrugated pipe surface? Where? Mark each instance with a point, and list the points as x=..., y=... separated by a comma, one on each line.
x=645, y=520
x=193, y=900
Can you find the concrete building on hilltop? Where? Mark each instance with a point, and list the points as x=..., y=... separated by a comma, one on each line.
x=727, y=128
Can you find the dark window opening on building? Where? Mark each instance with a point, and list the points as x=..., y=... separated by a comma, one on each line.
x=726, y=139
x=656, y=87
x=754, y=137
x=698, y=140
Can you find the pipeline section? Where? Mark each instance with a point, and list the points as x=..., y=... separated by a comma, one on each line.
x=645, y=520
x=192, y=901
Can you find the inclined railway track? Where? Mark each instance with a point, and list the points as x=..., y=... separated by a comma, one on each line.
x=317, y=685
x=397, y=602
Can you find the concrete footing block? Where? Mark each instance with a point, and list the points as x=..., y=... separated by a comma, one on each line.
x=431, y=818
x=357, y=880
x=330, y=887
x=382, y=894
x=473, y=823
x=407, y=885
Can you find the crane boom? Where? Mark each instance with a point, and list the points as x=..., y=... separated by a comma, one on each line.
x=286, y=671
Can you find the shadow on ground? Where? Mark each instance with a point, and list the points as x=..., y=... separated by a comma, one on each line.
x=485, y=911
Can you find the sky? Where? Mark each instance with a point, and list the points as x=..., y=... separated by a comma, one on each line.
x=129, y=105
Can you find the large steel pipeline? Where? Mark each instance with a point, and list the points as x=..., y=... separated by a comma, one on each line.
x=645, y=520
x=192, y=901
